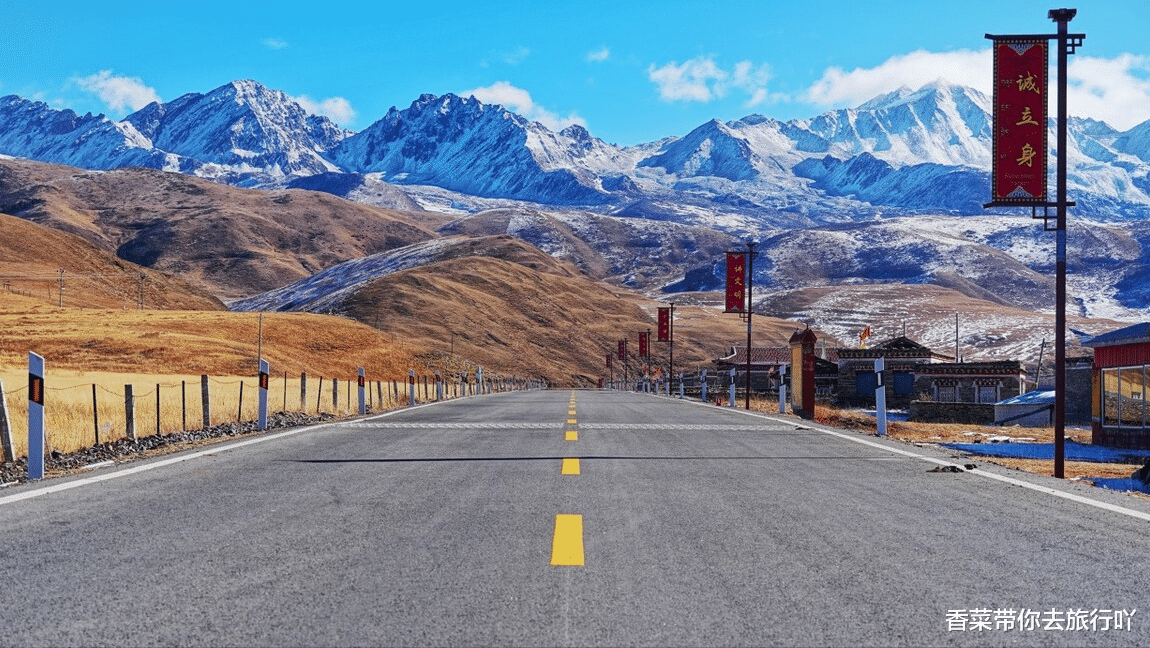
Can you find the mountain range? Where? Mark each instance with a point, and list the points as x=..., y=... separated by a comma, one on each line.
x=889, y=192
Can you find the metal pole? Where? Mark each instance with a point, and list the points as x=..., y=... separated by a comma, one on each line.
x=750, y=278
x=1062, y=17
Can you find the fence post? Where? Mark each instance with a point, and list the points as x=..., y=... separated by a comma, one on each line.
x=35, y=416
x=6, y=428
x=379, y=393
x=240, y=408
x=95, y=414
x=335, y=395
x=129, y=412
x=157, y=409
x=319, y=395
x=303, y=392
x=205, y=402
x=183, y=404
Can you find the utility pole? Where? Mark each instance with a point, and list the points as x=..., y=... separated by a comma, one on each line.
x=750, y=307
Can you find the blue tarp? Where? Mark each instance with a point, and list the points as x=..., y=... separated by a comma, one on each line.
x=1074, y=452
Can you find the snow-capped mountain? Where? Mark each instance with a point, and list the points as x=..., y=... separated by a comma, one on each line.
x=482, y=150
x=240, y=130
x=911, y=150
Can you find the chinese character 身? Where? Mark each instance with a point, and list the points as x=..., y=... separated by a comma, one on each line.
x=1028, y=154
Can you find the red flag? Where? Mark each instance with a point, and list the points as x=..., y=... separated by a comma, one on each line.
x=622, y=349
x=665, y=324
x=1018, y=173
x=643, y=345
x=736, y=282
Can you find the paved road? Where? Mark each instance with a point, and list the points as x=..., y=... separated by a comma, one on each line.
x=681, y=524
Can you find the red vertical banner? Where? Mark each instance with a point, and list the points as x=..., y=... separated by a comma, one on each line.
x=622, y=349
x=665, y=324
x=609, y=365
x=736, y=282
x=644, y=349
x=1018, y=167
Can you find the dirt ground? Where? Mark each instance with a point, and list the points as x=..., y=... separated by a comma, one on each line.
x=913, y=433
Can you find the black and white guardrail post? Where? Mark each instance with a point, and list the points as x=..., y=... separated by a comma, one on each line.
x=782, y=389
x=362, y=392
x=35, y=416
x=880, y=396
x=411, y=387
x=265, y=372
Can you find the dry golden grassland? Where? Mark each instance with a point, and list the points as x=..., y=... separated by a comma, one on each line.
x=172, y=350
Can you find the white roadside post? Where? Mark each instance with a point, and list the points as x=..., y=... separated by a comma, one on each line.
x=438, y=386
x=362, y=393
x=35, y=416
x=703, y=383
x=265, y=372
x=411, y=387
x=782, y=389
x=880, y=396
x=731, y=400
x=680, y=384
x=479, y=381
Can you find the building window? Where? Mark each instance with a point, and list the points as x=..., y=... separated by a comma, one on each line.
x=1124, y=396
x=947, y=393
x=988, y=393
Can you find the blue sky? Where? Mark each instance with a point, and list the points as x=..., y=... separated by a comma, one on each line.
x=630, y=72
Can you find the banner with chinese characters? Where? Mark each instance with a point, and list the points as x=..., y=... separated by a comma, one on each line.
x=644, y=349
x=622, y=349
x=609, y=365
x=736, y=282
x=664, y=323
x=1018, y=167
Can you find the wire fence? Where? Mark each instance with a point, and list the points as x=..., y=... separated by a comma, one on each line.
x=86, y=414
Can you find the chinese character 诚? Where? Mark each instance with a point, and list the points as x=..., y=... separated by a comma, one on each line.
x=1028, y=82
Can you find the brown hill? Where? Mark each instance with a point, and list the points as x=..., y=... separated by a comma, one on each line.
x=38, y=261
x=232, y=242
x=519, y=311
x=218, y=343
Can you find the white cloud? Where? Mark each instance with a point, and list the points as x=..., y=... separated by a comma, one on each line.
x=274, y=43
x=840, y=89
x=694, y=80
x=117, y=92
x=599, y=55
x=337, y=109
x=1116, y=91
x=701, y=79
x=519, y=101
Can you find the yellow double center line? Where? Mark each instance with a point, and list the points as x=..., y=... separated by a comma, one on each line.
x=567, y=542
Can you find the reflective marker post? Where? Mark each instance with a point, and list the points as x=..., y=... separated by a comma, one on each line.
x=362, y=394
x=265, y=370
x=35, y=416
x=880, y=396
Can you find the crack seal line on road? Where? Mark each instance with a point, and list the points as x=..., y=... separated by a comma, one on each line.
x=1114, y=508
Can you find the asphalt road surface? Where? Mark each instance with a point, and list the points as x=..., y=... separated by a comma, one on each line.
x=471, y=523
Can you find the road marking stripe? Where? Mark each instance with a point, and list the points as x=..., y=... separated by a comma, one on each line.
x=571, y=435
x=567, y=543
x=570, y=466
x=571, y=421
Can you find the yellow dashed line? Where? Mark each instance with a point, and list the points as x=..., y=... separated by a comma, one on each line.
x=570, y=466
x=567, y=544
x=571, y=435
